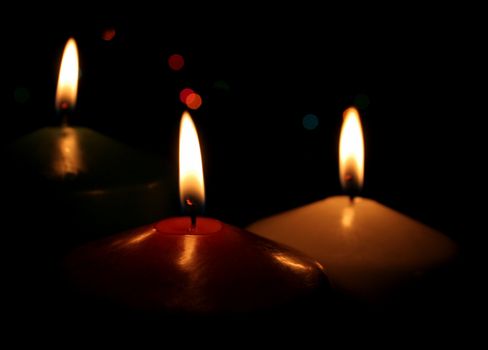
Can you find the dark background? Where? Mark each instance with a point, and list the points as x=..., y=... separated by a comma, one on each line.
x=416, y=74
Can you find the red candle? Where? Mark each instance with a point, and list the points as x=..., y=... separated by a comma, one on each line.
x=196, y=265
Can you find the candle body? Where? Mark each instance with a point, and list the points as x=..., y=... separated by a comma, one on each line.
x=367, y=249
x=216, y=269
x=78, y=178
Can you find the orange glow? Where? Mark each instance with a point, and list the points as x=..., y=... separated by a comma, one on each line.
x=193, y=101
x=140, y=237
x=347, y=218
x=133, y=240
x=108, y=34
x=351, y=151
x=69, y=160
x=191, y=170
x=290, y=261
x=188, y=252
x=68, y=77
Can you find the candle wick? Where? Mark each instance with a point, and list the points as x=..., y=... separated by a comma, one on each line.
x=352, y=187
x=193, y=214
x=66, y=110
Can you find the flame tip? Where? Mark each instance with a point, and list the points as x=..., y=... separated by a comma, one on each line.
x=349, y=110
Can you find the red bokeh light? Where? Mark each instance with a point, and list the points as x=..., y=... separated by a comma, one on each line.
x=176, y=62
x=108, y=34
x=185, y=93
x=194, y=101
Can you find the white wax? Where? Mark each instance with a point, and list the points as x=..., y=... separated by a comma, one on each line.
x=366, y=248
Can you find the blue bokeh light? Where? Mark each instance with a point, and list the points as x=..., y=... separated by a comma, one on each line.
x=310, y=122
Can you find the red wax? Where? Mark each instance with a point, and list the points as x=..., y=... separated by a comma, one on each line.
x=182, y=226
x=214, y=268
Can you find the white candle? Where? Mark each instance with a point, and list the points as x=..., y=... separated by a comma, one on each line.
x=367, y=249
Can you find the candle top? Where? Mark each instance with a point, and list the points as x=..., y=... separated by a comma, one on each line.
x=222, y=269
x=181, y=226
x=80, y=159
x=366, y=232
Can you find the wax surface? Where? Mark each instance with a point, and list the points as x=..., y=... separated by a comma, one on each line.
x=216, y=269
x=366, y=248
x=78, y=178
x=83, y=158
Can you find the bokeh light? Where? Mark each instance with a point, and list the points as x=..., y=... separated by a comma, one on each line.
x=194, y=101
x=176, y=62
x=185, y=93
x=221, y=85
x=21, y=95
x=310, y=122
x=108, y=34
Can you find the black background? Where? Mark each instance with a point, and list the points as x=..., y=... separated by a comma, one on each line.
x=417, y=76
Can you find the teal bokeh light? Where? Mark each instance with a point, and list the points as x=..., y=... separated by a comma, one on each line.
x=310, y=122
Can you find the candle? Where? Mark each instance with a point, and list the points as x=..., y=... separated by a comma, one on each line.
x=78, y=180
x=368, y=249
x=196, y=265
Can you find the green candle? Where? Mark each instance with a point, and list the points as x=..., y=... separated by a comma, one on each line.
x=78, y=183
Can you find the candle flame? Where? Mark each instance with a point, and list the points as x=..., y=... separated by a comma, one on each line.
x=351, y=152
x=68, y=78
x=192, y=189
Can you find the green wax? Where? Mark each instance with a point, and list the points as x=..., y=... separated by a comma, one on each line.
x=81, y=184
